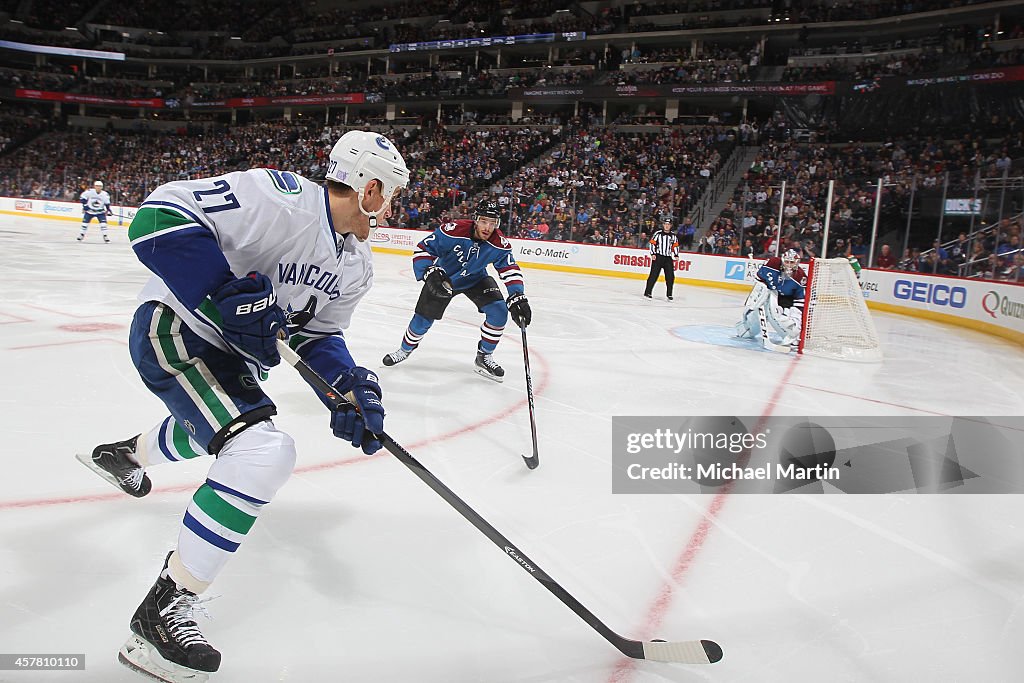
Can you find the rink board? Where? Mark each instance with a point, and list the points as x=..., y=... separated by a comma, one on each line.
x=995, y=308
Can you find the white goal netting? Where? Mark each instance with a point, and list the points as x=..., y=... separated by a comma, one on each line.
x=836, y=320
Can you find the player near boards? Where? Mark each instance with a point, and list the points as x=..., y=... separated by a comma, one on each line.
x=239, y=261
x=664, y=250
x=453, y=260
x=779, y=295
x=95, y=204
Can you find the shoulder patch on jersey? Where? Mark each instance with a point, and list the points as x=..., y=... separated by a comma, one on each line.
x=285, y=182
x=458, y=228
x=498, y=239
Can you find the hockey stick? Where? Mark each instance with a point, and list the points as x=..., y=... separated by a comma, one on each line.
x=533, y=461
x=683, y=652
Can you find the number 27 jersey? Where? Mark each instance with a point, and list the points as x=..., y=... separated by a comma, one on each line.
x=195, y=235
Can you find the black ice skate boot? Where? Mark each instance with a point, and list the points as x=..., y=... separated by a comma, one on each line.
x=166, y=644
x=486, y=367
x=112, y=462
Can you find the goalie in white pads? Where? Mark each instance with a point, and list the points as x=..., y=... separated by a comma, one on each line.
x=776, y=303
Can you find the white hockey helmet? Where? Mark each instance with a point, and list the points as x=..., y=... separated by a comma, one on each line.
x=790, y=259
x=360, y=156
x=98, y=184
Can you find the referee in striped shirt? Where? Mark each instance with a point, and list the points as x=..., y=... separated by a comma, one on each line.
x=664, y=249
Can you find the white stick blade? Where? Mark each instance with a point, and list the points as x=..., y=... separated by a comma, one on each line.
x=683, y=652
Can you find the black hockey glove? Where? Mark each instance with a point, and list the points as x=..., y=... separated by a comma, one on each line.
x=437, y=282
x=360, y=386
x=250, y=316
x=519, y=309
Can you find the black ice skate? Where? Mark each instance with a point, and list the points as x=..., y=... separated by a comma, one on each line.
x=486, y=367
x=166, y=644
x=111, y=461
x=396, y=357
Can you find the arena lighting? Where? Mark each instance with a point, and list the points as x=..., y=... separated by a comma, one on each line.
x=64, y=51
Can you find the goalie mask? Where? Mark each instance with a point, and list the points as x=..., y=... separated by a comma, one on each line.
x=790, y=260
x=360, y=156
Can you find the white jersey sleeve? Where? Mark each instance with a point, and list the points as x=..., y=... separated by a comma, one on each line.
x=196, y=235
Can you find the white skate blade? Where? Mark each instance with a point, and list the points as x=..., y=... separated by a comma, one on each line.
x=88, y=462
x=484, y=373
x=142, y=658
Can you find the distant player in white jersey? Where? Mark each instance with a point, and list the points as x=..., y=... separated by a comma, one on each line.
x=95, y=204
x=239, y=261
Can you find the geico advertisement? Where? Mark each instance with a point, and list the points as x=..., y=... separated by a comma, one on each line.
x=995, y=303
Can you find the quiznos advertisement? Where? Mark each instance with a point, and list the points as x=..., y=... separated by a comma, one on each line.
x=991, y=307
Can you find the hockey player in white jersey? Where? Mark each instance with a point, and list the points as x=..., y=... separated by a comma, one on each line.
x=95, y=204
x=238, y=261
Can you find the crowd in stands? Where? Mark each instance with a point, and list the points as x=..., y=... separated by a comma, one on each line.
x=601, y=186
x=60, y=164
x=55, y=14
x=47, y=78
x=748, y=224
x=577, y=182
x=572, y=178
x=449, y=168
x=210, y=15
x=19, y=124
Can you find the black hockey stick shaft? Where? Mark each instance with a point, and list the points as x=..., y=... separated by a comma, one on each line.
x=692, y=652
x=534, y=460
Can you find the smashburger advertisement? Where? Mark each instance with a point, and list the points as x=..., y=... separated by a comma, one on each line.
x=644, y=262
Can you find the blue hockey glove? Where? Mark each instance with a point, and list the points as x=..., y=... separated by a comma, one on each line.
x=437, y=282
x=250, y=316
x=358, y=428
x=519, y=309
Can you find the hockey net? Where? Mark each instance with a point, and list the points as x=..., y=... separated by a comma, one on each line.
x=836, y=319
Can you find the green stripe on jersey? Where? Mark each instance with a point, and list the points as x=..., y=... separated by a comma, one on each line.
x=151, y=220
x=221, y=511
